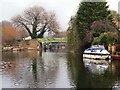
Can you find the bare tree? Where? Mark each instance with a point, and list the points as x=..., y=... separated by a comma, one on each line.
x=37, y=21
x=9, y=35
x=23, y=33
x=99, y=27
x=5, y=23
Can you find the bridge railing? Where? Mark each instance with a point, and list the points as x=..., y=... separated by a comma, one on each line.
x=52, y=40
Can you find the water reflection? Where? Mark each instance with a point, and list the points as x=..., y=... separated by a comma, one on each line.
x=96, y=66
x=91, y=77
x=35, y=69
x=116, y=86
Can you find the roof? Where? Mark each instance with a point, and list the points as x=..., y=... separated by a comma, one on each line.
x=118, y=45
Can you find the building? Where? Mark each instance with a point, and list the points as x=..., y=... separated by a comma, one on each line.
x=118, y=25
x=114, y=48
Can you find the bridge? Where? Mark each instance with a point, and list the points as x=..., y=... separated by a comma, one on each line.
x=53, y=43
x=48, y=40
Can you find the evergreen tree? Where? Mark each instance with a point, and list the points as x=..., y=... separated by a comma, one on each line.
x=87, y=14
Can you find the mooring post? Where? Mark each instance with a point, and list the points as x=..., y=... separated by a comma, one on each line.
x=110, y=58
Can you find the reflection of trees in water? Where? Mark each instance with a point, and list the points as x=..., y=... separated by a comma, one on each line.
x=41, y=59
x=8, y=56
x=40, y=69
x=116, y=71
x=33, y=55
x=48, y=67
x=22, y=62
x=9, y=62
x=83, y=78
x=33, y=69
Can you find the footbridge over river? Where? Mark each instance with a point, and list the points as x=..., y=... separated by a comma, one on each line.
x=52, y=40
x=53, y=43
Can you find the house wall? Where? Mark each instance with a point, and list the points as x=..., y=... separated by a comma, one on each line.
x=117, y=47
x=114, y=48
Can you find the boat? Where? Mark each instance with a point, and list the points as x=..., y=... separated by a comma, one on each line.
x=115, y=57
x=96, y=52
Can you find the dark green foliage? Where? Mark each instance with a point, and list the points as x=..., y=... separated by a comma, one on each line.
x=89, y=12
x=80, y=32
x=118, y=39
x=103, y=39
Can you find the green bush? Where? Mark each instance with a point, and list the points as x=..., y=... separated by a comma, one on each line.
x=103, y=39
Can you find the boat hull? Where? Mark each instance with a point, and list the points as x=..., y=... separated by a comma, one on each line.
x=99, y=56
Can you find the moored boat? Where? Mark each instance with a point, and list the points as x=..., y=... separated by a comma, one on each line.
x=96, y=52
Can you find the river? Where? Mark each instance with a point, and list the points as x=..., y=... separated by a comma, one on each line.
x=34, y=69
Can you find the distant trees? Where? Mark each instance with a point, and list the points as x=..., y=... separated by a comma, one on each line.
x=37, y=21
x=5, y=23
x=60, y=34
x=115, y=15
x=9, y=35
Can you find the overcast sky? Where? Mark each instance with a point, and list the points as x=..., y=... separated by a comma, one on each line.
x=64, y=9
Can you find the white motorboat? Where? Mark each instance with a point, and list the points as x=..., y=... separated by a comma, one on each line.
x=96, y=52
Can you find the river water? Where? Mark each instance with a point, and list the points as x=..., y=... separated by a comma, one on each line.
x=35, y=69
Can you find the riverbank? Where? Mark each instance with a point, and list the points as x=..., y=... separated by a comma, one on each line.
x=23, y=45
x=18, y=49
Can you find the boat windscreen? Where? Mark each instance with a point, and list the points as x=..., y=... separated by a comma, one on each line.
x=89, y=49
x=98, y=48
